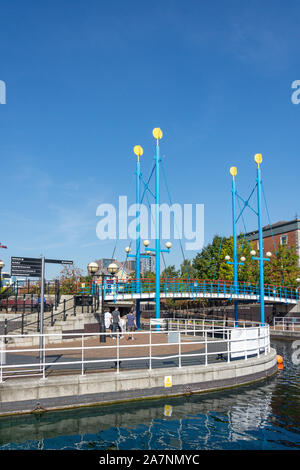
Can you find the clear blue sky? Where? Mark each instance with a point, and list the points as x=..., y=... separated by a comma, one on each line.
x=87, y=80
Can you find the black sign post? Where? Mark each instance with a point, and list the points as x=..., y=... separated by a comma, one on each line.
x=58, y=261
x=28, y=267
x=35, y=267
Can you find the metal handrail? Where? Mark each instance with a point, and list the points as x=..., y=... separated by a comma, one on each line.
x=9, y=323
x=193, y=287
x=287, y=323
x=261, y=346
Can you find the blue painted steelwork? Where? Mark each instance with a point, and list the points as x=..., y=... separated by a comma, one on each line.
x=157, y=248
x=260, y=258
x=138, y=239
x=235, y=262
x=260, y=247
x=184, y=288
x=137, y=254
x=157, y=232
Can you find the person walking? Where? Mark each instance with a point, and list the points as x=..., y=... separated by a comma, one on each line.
x=131, y=325
x=116, y=322
x=123, y=326
x=107, y=321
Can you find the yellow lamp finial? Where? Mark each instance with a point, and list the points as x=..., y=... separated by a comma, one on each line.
x=233, y=171
x=258, y=158
x=138, y=150
x=157, y=134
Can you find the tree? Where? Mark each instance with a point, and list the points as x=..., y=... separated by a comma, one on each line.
x=210, y=263
x=282, y=269
x=170, y=272
x=187, y=270
x=149, y=275
x=69, y=277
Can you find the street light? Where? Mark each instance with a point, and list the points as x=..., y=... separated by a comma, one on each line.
x=93, y=268
x=112, y=268
x=1, y=267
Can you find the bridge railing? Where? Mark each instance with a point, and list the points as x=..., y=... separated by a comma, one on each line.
x=151, y=349
x=193, y=325
x=286, y=323
x=193, y=287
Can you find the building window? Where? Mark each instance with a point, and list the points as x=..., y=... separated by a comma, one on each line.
x=284, y=240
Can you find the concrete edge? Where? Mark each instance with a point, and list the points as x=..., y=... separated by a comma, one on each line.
x=241, y=373
x=285, y=335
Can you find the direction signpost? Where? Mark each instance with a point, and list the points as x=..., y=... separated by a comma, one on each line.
x=35, y=267
x=30, y=267
x=58, y=261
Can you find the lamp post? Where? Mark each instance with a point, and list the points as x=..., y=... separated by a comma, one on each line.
x=92, y=269
x=1, y=267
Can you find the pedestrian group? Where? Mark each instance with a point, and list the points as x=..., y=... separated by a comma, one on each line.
x=114, y=322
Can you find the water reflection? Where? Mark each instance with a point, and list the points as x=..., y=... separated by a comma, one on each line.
x=261, y=416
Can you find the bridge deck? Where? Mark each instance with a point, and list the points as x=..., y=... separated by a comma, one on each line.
x=192, y=289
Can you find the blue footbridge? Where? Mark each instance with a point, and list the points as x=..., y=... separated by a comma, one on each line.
x=193, y=289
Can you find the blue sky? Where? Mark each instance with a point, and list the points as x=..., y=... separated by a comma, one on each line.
x=88, y=80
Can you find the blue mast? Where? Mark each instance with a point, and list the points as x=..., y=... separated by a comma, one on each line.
x=258, y=160
x=157, y=228
x=138, y=238
x=235, y=263
x=157, y=134
x=233, y=172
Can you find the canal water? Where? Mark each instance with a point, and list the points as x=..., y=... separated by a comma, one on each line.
x=262, y=416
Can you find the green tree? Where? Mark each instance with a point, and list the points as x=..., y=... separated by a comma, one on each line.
x=282, y=267
x=187, y=270
x=170, y=272
x=210, y=263
x=149, y=275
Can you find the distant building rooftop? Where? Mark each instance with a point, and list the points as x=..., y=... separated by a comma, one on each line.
x=282, y=226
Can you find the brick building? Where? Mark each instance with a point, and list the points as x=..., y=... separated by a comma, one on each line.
x=284, y=233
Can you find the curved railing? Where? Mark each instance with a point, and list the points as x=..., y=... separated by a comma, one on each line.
x=192, y=288
x=201, y=343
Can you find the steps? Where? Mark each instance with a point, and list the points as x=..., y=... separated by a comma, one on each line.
x=72, y=323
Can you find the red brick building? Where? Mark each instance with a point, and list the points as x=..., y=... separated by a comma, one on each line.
x=281, y=233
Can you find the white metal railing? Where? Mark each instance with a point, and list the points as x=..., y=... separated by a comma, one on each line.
x=238, y=343
x=286, y=323
x=187, y=325
x=231, y=344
